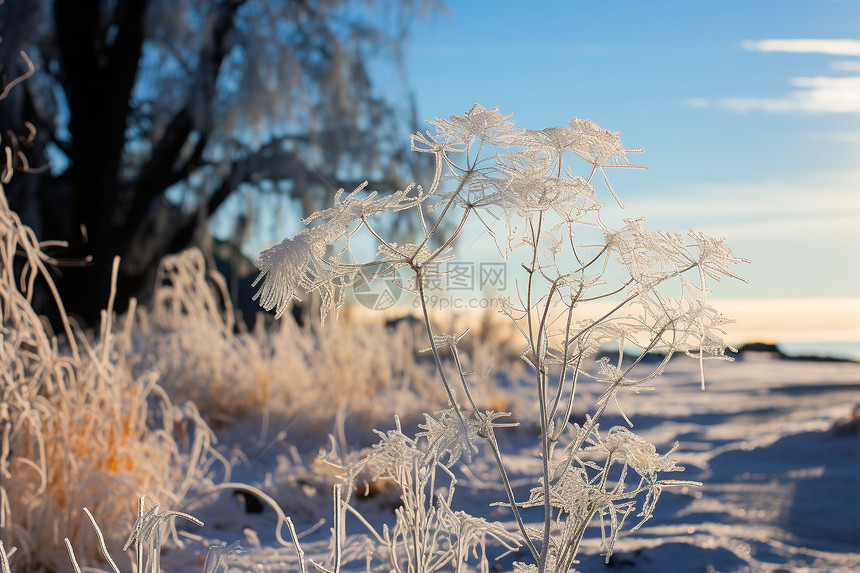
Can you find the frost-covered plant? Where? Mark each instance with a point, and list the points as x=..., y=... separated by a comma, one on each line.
x=77, y=428
x=656, y=282
x=145, y=541
x=428, y=535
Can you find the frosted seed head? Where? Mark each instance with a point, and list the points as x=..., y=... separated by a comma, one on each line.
x=284, y=271
x=478, y=122
x=449, y=436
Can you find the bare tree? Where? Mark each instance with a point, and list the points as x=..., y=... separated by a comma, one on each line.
x=153, y=114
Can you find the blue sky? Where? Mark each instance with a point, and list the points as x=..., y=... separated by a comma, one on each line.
x=744, y=136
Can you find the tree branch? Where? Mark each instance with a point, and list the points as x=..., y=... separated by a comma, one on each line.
x=160, y=171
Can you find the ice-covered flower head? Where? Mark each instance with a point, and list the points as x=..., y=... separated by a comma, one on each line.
x=488, y=125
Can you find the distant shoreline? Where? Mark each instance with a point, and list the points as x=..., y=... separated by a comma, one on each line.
x=813, y=352
x=840, y=351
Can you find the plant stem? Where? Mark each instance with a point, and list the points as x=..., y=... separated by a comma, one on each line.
x=494, y=447
x=435, y=349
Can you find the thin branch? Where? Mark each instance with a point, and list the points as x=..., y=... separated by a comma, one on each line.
x=31, y=69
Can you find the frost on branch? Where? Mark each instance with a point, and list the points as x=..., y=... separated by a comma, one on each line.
x=355, y=207
x=583, y=138
x=625, y=447
x=305, y=262
x=531, y=186
x=286, y=270
x=449, y=435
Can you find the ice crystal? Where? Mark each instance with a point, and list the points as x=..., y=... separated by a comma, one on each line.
x=478, y=122
x=284, y=271
x=688, y=326
x=624, y=447
x=355, y=207
x=442, y=143
x=591, y=142
x=653, y=256
x=444, y=340
x=530, y=186
x=715, y=257
x=300, y=263
x=407, y=254
x=472, y=532
x=392, y=454
x=215, y=556
x=648, y=256
x=146, y=531
x=580, y=498
x=449, y=435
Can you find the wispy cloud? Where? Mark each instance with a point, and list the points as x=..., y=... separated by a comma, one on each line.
x=768, y=208
x=836, y=137
x=698, y=102
x=818, y=94
x=835, y=47
x=845, y=66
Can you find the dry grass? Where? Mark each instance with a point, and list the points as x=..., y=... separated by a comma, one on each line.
x=92, y=421
x=300, y=377
x=77, y=426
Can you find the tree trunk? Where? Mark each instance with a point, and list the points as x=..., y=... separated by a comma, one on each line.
x=98, y=75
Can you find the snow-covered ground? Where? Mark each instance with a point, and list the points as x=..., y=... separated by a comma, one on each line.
x=775, y=442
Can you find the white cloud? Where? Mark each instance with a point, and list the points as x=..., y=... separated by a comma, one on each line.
x=820, y=94
x=837, y=137
x=845, y=66
x=835, y=47
x=818, y=204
